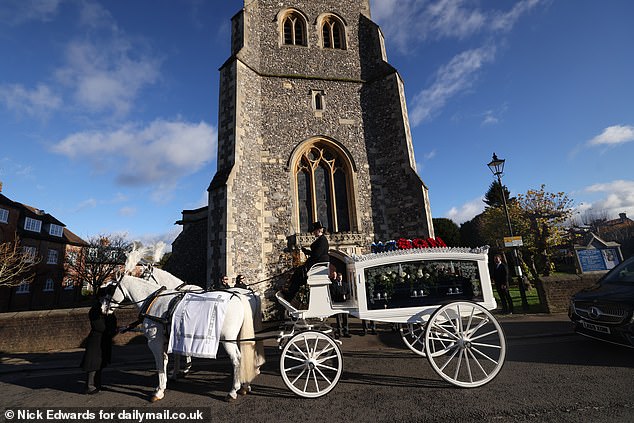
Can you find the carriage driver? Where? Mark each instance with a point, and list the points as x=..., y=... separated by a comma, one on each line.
x=318, y=253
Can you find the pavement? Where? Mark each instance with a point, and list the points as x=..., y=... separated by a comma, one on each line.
x=516, y=327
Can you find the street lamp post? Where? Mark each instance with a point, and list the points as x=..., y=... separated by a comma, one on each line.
x=497, y=167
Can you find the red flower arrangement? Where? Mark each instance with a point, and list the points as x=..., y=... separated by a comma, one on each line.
x=408, y=244
x=420, y=243
x=404, y=244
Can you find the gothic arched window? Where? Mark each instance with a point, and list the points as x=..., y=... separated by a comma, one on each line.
x=294, y=29
x=323, y=183
x=333, y=33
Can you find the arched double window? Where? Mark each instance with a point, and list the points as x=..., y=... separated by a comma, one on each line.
x=333, y=33
x=323, y=187
x=294, y=29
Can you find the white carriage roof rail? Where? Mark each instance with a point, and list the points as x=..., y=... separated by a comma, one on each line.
x=430, y=251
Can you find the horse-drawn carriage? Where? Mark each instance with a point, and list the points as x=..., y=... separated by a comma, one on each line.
x=439, y=297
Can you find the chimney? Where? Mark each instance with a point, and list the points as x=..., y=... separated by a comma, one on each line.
x=0, y=186
x=623, y=216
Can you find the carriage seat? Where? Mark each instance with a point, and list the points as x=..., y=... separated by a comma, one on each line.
x=319, y=301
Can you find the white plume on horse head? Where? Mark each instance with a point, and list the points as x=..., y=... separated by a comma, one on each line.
x=134, y=256
x=159, y=250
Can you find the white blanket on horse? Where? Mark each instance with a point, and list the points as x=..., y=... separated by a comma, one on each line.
x=196, y=324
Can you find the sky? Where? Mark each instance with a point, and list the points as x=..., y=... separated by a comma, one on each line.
x=108, y=109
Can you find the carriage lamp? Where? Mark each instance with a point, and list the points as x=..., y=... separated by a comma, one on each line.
x=497, y=168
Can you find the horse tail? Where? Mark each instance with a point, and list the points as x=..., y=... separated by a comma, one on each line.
x=250, y=358
x=256, y=306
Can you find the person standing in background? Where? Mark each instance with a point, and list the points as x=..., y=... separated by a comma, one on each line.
x=501, y=280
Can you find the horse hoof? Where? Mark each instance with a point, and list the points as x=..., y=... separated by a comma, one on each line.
x=243, y=391
x=154, y=398
x=229, y=398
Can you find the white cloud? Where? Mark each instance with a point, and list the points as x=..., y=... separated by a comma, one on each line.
x=451, y=79
x=442, y=19
x=93, y=15
x=103, y=70
x=107, y=76
x=38, y=102
x=504, y=21
x=16, y=12
x=430, y=155
x=490, y=118
x=11, y=167
x=90, y=203
x=467, y=211
x=160, y=153
x=613, y=135
x=127, y=211
x=618, y=197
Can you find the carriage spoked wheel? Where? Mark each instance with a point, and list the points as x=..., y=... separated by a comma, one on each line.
x=413, y=335
x=465, y=344
x=311, y=364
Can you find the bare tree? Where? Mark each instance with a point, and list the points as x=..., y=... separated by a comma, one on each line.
x=16, y=266
x=98, y=262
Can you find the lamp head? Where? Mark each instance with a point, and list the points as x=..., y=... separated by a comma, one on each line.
x=496, y=165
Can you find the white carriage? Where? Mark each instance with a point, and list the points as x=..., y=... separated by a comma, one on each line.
x=439, y=297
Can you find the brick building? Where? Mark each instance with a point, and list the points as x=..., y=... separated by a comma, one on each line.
x=312, y=125
x=619, y=230
x=48, y=241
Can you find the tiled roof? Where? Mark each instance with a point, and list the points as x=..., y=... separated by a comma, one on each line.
x=35, y=213
x=71, y=238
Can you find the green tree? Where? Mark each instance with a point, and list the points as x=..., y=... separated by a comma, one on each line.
x=470, y=235
x=536, y=216
x=447, y=230
x=493, y=197
x=493, y=226
x=545, y=213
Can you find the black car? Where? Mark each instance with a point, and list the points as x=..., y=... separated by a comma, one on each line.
x=605, y=311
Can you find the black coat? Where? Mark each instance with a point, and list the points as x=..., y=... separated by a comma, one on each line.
x=318, y=252
x=99, y=342
x=339, y=291
x=500, y=274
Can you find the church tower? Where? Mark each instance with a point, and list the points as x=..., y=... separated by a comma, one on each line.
x=312, y=126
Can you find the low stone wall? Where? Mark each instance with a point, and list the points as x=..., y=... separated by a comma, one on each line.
x=555, y=291
x=49, y=330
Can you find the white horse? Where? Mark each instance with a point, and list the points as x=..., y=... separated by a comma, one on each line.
x=238, y=324
x=166, y=279
x=148, y=257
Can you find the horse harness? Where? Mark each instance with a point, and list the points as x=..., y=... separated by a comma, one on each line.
x=144, y=312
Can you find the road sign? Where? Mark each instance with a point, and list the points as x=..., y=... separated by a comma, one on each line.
x=513, y=241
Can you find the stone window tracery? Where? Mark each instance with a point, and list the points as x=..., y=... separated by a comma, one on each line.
x=294, y=29
x=323, y=177
x=333, y=33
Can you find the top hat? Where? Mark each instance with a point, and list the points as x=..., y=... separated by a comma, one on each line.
x=316, y=225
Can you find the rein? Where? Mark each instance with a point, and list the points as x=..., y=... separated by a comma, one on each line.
x=271, y=278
